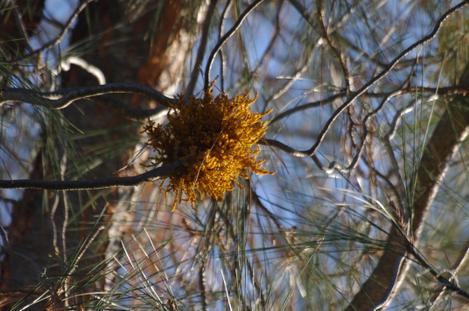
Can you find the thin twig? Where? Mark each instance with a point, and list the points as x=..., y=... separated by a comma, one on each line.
x=295, y=153
x=335, y=50
x=273, y=40
x=202, y=47
x=461, y=261
x=19, y=21
x=364, y=137
x=449, y=91
x=448, y=283
x=59, y=37
x=220, y=30
x=202, y=287
x=133, y=112
x=162, y=171
x=225, y=38
x=314, y=104
x=295, y=76
x=403, y=64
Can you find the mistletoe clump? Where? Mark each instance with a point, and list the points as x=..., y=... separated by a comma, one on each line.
x=215, y=140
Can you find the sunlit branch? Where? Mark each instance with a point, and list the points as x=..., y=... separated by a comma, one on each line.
x=82, y=63
x=225, y=38
x=295, y=153
x=462, y=261
x=397, y=120
x=202, y=47
x=220, y=30
x=340, y=57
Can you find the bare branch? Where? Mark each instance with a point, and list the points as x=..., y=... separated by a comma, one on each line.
x=64, y=98
x=314, y=104
x=59, y=37
x=443, y=91
x=162, y=171
x=340, y=57
x=225, y=38
x=220, y=30
x=202, y=47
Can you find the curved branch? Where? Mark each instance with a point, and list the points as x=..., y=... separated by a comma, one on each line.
x=64, y=98
x=202, y=47
x=340, y=57
x=60, y=36
x=220, y=30
x=225, y=38
x=379, y=76
x=293, y=152
x=162, y=171
x=445, y=91
x=314, y=104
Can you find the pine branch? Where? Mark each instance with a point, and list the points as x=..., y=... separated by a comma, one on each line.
x=162, y=171
x=225, y=38
x=202, y=47
x=64, y=98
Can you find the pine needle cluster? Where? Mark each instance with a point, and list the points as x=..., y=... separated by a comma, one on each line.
x=215, y=140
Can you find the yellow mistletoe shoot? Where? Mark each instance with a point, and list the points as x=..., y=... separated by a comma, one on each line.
x=214, y=138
